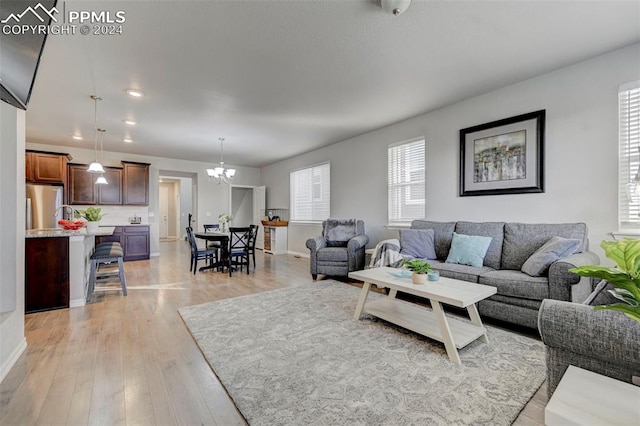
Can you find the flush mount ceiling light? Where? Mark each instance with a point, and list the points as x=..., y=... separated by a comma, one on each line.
x=127, y=140
x=135, y=93
x=130, y=122
x=76, y=137
x=395, y=7
x=220, y=174
x=95, y=166
x=101, y=179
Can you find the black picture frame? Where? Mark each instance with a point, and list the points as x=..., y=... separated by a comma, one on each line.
x=504, y=156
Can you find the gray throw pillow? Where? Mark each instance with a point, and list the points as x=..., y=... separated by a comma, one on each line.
x=418, y=243
x=554, y=249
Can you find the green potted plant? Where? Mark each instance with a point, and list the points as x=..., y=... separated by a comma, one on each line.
x=420, y=270
x=92, y=215
x=625, y=277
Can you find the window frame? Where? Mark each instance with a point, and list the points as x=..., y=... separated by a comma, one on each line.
x=315, y=202
x=629, y=156
x=407, y=184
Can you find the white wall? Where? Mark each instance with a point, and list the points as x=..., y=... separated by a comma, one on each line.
x=581, y=156
x=213, y=199
x=12, y=223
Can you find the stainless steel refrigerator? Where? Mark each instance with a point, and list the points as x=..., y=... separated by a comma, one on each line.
x=42, y=206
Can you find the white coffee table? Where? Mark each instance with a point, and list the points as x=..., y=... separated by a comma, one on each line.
x=433, y=323
x=587, y=398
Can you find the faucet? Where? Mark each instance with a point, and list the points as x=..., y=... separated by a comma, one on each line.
x=71, y=210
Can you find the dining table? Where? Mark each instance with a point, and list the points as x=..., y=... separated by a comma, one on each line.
x=223, y=238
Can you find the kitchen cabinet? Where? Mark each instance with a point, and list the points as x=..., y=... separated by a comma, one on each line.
x=137, y=244
x=46, y=274
x=46, y=167
x=111, y=194
x=135, y=184
x=135, y=241
x=81, y=188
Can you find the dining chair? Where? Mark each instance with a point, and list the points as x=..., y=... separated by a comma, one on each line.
x=198, y=253
x=239, y=239
x=252, y=243
x=213, y=244
x=213, y=227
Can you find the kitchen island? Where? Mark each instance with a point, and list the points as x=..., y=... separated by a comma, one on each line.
x=57, y=263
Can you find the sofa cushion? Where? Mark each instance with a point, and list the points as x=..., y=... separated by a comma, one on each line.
x=521, y=240
x=443, y=231
x=555, y=249
x=517, y=284
x=333, y=254
x=417, y=243
x=468, y=249
x=495, y=230
x=459, y=272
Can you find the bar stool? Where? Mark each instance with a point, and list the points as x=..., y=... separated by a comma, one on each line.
x=105, y=256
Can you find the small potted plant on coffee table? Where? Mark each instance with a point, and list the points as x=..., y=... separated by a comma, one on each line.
x=420, y=270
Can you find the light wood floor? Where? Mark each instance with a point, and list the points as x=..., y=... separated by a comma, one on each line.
x=130, y=360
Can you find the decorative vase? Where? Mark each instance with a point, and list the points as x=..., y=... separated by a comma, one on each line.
x=92, y=227
x=433, y=276
x=419, y=278
x=223, y=227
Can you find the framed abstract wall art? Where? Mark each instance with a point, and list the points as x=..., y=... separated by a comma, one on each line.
x=503, y=157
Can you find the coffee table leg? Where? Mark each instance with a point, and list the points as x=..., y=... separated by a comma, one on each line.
x=475, y=319
x=363, y=298
x=445, y=331
x=392, y=293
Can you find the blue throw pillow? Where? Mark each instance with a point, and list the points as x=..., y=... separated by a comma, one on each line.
x=468, y=249
x=553, y=250
x=418, y=243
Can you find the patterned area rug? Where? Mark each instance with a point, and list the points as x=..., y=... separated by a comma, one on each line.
x=296, y=356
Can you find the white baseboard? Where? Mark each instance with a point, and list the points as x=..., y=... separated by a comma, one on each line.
x=13, y=358
x=295, y=253
x=75, y=303
x=155, y=254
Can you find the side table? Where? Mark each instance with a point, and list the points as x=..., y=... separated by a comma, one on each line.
x=586, y=398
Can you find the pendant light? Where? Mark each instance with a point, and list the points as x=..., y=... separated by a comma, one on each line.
x=95, y=167
x=220, y=174
x=101, y=179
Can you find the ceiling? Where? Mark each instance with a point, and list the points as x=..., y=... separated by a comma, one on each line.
x=279, y=78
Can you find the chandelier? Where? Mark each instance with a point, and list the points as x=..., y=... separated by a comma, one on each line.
x=95, y=166
x=220, y=174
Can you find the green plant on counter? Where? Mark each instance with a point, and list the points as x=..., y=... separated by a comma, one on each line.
x=418, y=266
x=626, y=277
x=91, y=214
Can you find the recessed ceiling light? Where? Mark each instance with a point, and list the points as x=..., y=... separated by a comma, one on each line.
x=127, y=140
x=76, y=137
x=135, y=93
x=130, y=122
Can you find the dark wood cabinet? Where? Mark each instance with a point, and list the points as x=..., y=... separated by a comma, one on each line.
x=135, y=241
x=46, y=274
x=81, y=188
x=45, y=167
x=135, y=184
x=111, y=194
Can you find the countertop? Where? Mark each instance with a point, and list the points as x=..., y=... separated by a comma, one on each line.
x=59, y=232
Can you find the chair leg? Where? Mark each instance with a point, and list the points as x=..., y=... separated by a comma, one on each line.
x=254, y=260
x=123, y=280
x=314, y=276
x=92, y=280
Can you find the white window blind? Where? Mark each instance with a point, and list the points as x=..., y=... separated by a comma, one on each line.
x=406, y=176
x=311, y=193
x=629, y=164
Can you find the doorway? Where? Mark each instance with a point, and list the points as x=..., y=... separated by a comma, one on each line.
x=177, y=198
x=247, y=207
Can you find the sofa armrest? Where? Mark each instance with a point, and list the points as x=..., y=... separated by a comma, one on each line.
x=315, y=244
x=565, y=285
x=357, y=242
x=580, y=329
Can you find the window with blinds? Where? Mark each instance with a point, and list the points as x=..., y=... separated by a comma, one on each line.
x=311, y=193
x=406, y=177
x=629, y=164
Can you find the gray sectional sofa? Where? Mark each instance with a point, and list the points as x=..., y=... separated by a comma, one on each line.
x=519, y=295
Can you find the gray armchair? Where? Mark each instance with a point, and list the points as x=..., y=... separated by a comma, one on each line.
x=605, y=342
x=340, y=248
